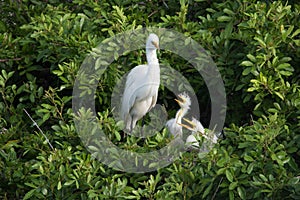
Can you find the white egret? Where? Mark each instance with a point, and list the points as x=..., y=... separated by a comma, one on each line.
x=174, y=125
x=198, y=130
x=141, y=87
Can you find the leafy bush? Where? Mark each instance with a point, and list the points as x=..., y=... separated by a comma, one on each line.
x=255, y=46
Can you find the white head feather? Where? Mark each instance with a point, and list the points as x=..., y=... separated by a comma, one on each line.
x=152, y=41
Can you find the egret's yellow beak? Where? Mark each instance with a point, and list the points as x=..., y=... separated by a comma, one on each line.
x=155, y=44
x=186, y=126
x=193, y=125
x=179, y=100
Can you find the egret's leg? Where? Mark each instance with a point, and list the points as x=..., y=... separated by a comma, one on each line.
x=131, y=126
x=142, y=125
x=128, y=125
x=223, y=135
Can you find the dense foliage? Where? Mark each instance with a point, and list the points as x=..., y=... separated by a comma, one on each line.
x=256, y=46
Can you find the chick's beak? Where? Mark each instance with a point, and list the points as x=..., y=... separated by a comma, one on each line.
x=178, y=101
x=189, y=121
x=191, y=125
x=186, y=126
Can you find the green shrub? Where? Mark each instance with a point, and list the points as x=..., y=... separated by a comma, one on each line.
x=255, y=46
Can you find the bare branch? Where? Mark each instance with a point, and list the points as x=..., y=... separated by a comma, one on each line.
x=9, y=59
x=35, y=124
x=215, y=193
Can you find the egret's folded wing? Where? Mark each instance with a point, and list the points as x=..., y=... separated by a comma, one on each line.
x=136, y=76
x=153, y=102
x=133, y=82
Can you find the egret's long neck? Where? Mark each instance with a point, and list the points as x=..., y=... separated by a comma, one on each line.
x=153, y=73
x=180, y=114
x=151, y=56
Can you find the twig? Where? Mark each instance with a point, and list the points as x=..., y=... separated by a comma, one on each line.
x=215, y=193
x=35, y=124
x=14, y=59
x=155, y=11
x=165, y=4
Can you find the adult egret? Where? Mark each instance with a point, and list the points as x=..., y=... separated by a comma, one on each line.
x=141, y=87
x=174, y=125
x=198, y=130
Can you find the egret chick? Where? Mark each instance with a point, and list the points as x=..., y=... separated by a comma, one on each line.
x=141, y=87
x=197, y=128
x=174, y=124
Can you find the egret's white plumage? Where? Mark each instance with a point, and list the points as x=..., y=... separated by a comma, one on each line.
x=197, y=128
x=173, y=124
x=141, y=88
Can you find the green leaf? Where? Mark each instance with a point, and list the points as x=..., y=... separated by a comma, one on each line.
x=279, y=95
x=233, y=185
x=284, y=66
x=4, y=74
x=251, y=89
x=32, y=98
x=228, y=12
x=297, y=42
x=31, y=185
x=46, y=117
x=29, y=194
x=247, y=71
x=224, y=18
x=59, y=185
x=221, y=171
x=10, y=74
x=44, y=191
x=247, y=63
x=248, y=158
x=277, y=106
x=229, y=175
x=69, y=182
x=239, y=87
x=289, y=31
x=2, y=81
x=251, y=58
x=272, y=110
x=93, y=148
x=221, y=162
x=47, y=106
x=241, y=192
x=58, y=72
x=118, y=136
x=263, y=177
x=295, y=33
x=261, y=42
x=294, y=180
x=250, y=168
x=231, y=195
x=89, y=177
x=285, y=73
x=207, y=190
x=285, y=59
x=228, y=30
